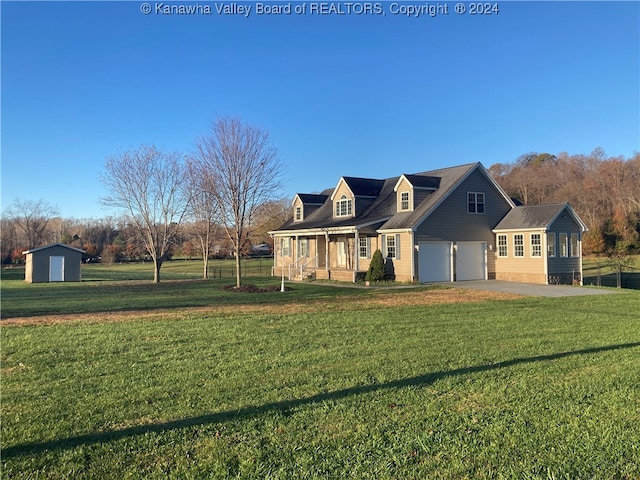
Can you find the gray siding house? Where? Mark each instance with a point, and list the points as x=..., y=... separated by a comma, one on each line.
x=450, y=224
x=53, y=263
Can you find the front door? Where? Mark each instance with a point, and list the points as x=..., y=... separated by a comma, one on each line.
x=342, y=254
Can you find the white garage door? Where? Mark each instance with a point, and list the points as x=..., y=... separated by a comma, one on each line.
x=434, y=261
x=471, y=261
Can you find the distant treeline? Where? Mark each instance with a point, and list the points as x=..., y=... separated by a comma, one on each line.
x=604, y=191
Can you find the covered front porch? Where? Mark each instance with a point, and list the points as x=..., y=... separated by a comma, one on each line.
x=329, y=254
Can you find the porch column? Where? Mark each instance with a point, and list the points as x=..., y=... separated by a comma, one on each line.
x=326, y=251
x=275, y=251
x=356, y=252
x=297, y=251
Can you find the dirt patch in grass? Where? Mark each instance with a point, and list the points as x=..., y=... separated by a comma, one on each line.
x=253, y=289
x=382, y=299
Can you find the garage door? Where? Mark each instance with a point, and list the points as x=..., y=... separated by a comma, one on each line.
x=434, y=262
x=471, y=261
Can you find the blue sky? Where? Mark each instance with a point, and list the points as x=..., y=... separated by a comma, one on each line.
x=354, y=95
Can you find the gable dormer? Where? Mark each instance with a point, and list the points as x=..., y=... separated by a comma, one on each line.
x=353, y=195
x=343, y=199
x=411, y=190
x=304, y=204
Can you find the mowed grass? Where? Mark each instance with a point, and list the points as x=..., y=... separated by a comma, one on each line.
x=321, y=382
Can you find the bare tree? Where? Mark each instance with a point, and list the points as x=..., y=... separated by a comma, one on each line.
x=147, y=184
x=203, y=213
x=270, y=216
x=242, y=170
x=32, y=218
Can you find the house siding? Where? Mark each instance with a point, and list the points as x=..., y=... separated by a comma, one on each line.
x=520, y=269
x=401, y=267
x=565, y=269
x=451, y=222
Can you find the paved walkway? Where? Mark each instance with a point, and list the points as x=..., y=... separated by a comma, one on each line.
x=532, y=289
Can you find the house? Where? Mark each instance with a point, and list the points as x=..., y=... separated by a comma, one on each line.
x=53, y=263
x=540, y=244
x=434, y=226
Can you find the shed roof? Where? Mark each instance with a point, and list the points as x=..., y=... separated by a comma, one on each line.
x=33, y=250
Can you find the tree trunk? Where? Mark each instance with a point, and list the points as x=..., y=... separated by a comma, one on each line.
x=157, y=263
x=206, y=266
x=238, y=270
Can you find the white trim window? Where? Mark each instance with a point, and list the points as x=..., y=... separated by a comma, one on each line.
x=475, y=202
x=404, y=201
x=304, y=247
x=503, y=249
x=344, y=207
x=285, y=246
x=551, y=245
x=298, y=214
x=563, y=245
x=536, y=245
x=518, y=245
x=364, y=247
x=391, y=246
x=575, y=245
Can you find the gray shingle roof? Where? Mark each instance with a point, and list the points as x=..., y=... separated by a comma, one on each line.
x=312, y=198
x=383, y=209
x=364, y=187
x=530, y=216
x=423, y=181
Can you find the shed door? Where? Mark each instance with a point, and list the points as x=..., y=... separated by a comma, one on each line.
x=471, y=261
x=56, y=269
x=434, y=262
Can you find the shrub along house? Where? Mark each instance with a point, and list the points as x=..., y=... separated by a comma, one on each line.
x=53, y=263
x=439, y=225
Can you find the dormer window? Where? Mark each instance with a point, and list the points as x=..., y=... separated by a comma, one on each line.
x=404, y=201
x=344, y=207
x=298, y=214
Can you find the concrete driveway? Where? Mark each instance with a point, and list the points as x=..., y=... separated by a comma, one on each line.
x=532, y=289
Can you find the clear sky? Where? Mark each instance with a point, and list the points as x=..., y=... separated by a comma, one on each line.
x=341, y=94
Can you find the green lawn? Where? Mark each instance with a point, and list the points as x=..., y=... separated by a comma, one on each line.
x=250, y=387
